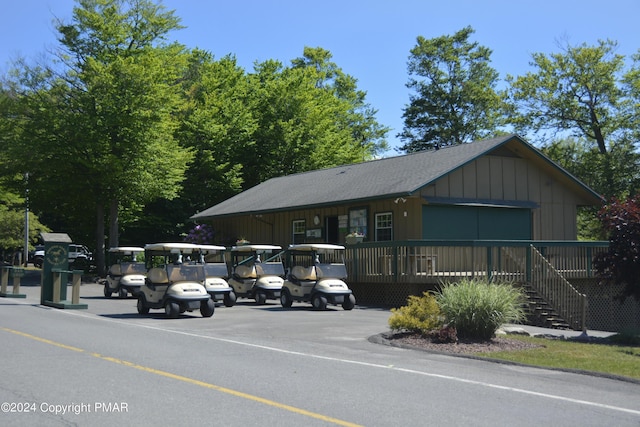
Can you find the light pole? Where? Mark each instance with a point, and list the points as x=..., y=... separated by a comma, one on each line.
x=26, y=219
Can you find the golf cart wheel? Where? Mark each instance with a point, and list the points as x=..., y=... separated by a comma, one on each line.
x=319, y=302
x=107, y=291
x=230, y=299
x=261, y=298
x=349, y=302
x=142, y=307
x=172, y=309
x=285, y=298
x=207, y=308
x=122, y=293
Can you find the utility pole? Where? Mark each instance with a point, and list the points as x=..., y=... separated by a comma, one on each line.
x=26, y=219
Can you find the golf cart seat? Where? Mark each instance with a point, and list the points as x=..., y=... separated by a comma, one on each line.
x=115, y=270
x=158, y=275
x=304, y=273
x=245, y=271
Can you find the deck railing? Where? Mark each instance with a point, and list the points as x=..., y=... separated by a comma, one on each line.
x=433, y=261
x=544, y=265
x=556, y=290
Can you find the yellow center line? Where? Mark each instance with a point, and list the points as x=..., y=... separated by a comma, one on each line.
x=190, y=381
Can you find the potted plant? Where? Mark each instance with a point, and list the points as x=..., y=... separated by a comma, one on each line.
x=353, y=238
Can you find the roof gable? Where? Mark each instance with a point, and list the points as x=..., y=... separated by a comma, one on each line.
x=382, y=178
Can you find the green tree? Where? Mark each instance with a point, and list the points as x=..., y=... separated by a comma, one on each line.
x=584, y=91
x=578, y=90
x=218, y=124
x=360, y=117
x=455, y=99
x=631, y=86
x=102, y=121
x=309, y=116
x=12, y=221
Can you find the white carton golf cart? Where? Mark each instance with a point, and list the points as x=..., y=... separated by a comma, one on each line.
x=212, y=259
x=316, y=273
x=256, y=272
x=172, y=282
x=126, y=274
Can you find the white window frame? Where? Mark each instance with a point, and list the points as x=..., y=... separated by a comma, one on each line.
x=298, y=228
x=389, y=227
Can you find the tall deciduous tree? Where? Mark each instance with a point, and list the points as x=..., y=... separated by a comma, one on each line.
x=309, y=116
x=455, y=98
x=360, y=117
x=102, y=123
x=578, y=90
x=218, y=124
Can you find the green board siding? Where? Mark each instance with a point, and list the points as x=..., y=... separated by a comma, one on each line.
x=475, y=223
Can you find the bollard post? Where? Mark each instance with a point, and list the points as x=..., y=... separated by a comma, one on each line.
x=57, y=301
x=57, y=278
x=5, y=279
x=75, y=292
x=16, y=273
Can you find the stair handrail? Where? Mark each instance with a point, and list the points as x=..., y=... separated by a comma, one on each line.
x=557, y=291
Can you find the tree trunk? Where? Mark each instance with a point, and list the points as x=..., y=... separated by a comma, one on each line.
x=114, y=236
x=99, y=253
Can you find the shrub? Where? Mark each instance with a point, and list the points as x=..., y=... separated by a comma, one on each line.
x=478, y=308
x=201, y=234
x=621, y=263
x=421, y=314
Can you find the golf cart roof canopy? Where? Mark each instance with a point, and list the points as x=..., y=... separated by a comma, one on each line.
x=211, y=248
x=253, y=248
x=174, y=248
x=126, y=249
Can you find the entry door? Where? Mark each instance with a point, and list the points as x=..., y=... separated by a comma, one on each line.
x=331, y=230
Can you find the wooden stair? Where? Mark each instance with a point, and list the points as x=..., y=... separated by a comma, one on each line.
x=540, y=313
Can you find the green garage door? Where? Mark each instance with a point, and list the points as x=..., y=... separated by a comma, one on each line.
x=475, y=223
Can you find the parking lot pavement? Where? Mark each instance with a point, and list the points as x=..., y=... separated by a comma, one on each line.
x=91, y=294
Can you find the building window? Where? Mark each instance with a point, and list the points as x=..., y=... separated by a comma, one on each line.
x=358, y=222
x=384, y=227
x=299, y=228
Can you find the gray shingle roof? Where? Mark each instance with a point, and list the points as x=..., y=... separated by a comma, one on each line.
x=383, y=178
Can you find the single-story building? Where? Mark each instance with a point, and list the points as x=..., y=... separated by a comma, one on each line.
x=500, y=188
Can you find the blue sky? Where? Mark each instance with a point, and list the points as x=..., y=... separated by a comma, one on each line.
x=369, y=39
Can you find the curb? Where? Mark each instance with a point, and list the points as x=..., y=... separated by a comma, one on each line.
x=383, y=339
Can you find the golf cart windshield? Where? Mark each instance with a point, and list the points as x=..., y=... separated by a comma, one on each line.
x=334, y=271
x=269, y=269
x=215, y=270
x=133, y=268
x=185, y=273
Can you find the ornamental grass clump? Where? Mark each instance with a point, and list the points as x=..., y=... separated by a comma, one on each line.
x=477, y=308
x=420, y=315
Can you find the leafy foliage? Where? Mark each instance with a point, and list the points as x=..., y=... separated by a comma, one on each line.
x=421, y=315
x=99, y=128
x=578, y=90
x=621, y=263
x=478, y=308
x=12, y=222
x=455, y=100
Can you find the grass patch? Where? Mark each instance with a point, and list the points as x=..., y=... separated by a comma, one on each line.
x=608, y=358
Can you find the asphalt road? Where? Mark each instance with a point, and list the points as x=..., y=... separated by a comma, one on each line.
x=252, y=365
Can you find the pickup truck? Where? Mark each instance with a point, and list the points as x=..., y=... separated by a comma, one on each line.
x=78, y=254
